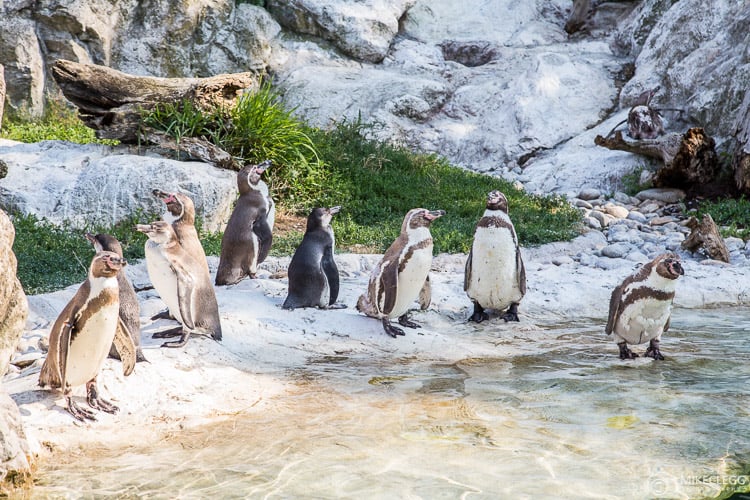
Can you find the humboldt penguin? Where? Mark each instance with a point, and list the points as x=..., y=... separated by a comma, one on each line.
x=82, y=335
x=182, y=283
x=130, y=310
x=180, y=212
x=640, y=308
x=399, y=278
x=247, y=237
x=313, y=274
x=495, y=277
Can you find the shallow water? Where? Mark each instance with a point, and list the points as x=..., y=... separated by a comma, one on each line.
x=567, y=419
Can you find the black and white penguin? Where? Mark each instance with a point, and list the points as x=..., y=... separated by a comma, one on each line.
x=640, y=308
x=182, y=283
x=180, y=212
x=82, y=335
x=495, y=277
x=398, y=279
x=130, y=310
x=248, y=235
x=313, y=274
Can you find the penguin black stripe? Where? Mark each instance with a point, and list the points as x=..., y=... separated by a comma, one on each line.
x=645, y=292
x=422, y=244
x=490, y=222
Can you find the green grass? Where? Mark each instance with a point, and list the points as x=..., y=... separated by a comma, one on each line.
x=731, y=215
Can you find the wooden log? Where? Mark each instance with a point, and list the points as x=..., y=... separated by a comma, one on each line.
x=192, y=148
x=578, y=15
x=111, y=102
x=705, y=235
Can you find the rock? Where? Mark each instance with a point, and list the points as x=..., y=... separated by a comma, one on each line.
x=733, y=244
x=561, y=260
x=14, y=307
x=95, y=183
x=646, y=178
x=15, y=454
x=589, y=194
x=616, y=211
x=637, y=257
x=648, y=207
x=616, y=250
x=604, y=219
x=583, y=204
x=637, y=216
x=665, y=195
x=660, y=221
x=621, y=197
x=592, y=222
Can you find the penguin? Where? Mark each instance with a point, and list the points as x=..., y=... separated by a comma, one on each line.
x=400, y=277
x=180, y=212
x=182, y=283
x=82, y=335
x=495, y=277
x=130, y=310
x=313, y=274
x=248, y=235
x=641, y=306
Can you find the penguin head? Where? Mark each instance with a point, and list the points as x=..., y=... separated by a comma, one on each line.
x=249, y=176
x=321, y=217
x=159, y=231
x=420, y=217
x=179, y=206
x=106, y=264
x=668, y=265
x=106, y=242
x=497, y=201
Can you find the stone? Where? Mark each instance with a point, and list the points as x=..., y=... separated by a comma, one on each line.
x=616, y=211
x=14, y=307
x=648, y=207
x=637, y=257
x=660, y=221
x=616, y=250
x=592, y=222
x=604, y=219
x=733, y=244
x=665, y=195
x=583, y=204
x=589, y=194
x=621, y=197
x=16, y=464
x=561, y=260
x=637, y=217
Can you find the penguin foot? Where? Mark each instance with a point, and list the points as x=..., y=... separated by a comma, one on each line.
x=78, y=412
x=511, y=314
x=391, y=330
x=336, y=305
x=139, y=357
x=404, y=320
x=162, y=315
x=179, y=343
x=168, y=334
x=479, y=314
x=94, y=401
x=653, y=350
x=626, y=353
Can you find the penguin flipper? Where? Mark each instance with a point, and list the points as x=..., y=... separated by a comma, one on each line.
x=520, y=272
x=185, y=289
x=66, y=332
x=125, y=348
x=467, y=271
x=265, y=237
x=614, y=309
x=425, y=294
x=332, y=274
x=388, y=286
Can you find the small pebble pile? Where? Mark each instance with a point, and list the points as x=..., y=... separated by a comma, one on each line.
x=637, y=228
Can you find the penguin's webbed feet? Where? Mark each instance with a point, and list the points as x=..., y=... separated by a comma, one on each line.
x=391, y=330
x=653, y=350
x=512, y=313
x=94, y=401
x=78, y=412
x=179, y=343
x=626, y=353
x=168, y=334
x=404, y=320
x=162, y=315
x=479, y=314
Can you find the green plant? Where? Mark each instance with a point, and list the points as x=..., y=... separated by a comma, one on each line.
x=631, y=182
x=732, y=215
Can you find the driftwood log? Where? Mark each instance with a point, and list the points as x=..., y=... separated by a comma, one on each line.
x=690, y=160
x=705, y=235
x=112, y=102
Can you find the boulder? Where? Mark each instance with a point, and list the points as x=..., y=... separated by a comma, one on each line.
x=103, y=184
x=16, y=460
x=14, y=307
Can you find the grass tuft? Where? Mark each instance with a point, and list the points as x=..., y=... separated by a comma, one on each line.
x=731, y=215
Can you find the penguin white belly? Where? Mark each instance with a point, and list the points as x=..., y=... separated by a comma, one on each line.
x=254, y=256
x=411, y=280
x=163, y=278
x=494, y=274
x=88, y=351
x=643, y=320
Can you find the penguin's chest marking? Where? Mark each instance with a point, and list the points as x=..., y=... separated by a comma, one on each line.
x=493, y=268
x=163, y=278
x=411, y=280
x=644, y=320
x=89, y=348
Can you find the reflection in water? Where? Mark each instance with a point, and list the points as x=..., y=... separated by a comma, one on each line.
x=567, y=419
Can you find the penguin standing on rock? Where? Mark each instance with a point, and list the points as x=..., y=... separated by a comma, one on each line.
x=82, y=335
x=495, y=277
x=398, y=279
x=640, y=308
x=130, y=310
x=182, y=283
x=313, y=274
x=248, y=235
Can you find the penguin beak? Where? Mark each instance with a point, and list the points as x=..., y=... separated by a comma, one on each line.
x=676, y=268
x=261, y=167
x=91, y=238
x=434, y=214
x=159, y=193
x=334, y=210
x=143, y=228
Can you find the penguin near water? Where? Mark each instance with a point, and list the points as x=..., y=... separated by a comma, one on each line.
x=130, y=310
x=182, y=283
x=397, y=280
x=495, y=277
x=82, y=335
x=249, y=232
x=640, y=307
x=313, y=274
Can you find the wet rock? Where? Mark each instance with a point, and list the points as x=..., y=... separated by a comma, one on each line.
x=665, y=195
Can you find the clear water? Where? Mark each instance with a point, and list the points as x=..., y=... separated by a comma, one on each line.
x=566, y=419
